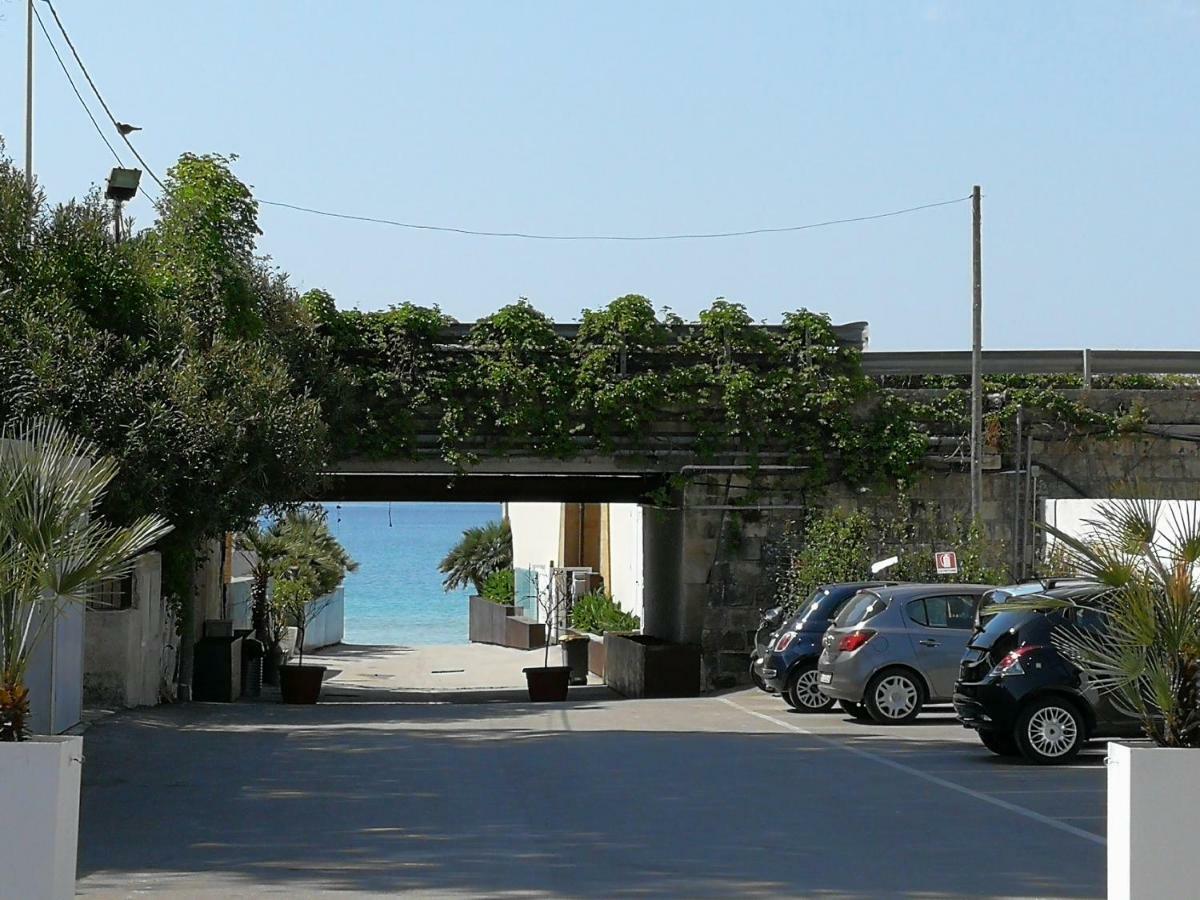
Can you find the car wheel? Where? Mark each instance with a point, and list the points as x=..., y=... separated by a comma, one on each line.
x=999, y=743
x=803, y=694
x=894, y=697
x=855, y=710
x=757, y=679
x=1050, y=731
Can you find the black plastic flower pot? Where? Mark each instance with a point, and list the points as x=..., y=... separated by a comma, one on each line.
x=548, y=684
x=300, y=684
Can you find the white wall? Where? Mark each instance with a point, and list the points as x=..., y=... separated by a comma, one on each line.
x=537, y=535
x=537, y=530
x=625, y=556
x=1070, y=516
x=329, y=625
x=123, y=648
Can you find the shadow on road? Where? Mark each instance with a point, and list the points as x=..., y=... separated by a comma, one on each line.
x=592, y=799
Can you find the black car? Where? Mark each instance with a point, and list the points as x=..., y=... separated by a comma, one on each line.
x=789, y=666
x=1022, y=695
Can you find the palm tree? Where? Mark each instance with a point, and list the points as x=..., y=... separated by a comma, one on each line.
x=268, y=546
x=53, y=547
x=480, y=552
x=314, y=565
x=1147, y=655
x=306, y=533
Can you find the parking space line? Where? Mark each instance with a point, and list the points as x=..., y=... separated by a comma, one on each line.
x=933, y=779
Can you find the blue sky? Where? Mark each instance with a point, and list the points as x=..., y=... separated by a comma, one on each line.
x=1079, y=119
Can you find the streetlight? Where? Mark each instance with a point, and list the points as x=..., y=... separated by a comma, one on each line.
x=122, y=186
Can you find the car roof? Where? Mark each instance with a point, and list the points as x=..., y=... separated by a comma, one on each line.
x=929, y=589
x=855, y=585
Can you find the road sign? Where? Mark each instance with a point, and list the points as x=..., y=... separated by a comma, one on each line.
x=946, y=562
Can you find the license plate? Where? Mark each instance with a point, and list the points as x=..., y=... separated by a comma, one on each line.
x=825, y=677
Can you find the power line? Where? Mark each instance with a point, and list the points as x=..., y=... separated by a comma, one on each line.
x=96, y=91
x=614, y=237
x=78, y=95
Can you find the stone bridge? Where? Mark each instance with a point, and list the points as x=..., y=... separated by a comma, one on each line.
x=710, y=554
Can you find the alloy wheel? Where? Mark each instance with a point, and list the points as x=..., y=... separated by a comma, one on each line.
x=807, y=694
x=1052, y=731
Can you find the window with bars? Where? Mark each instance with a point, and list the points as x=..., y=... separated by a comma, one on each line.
x=113, y=594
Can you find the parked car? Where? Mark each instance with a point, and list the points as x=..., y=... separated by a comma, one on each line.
x=789, y=666
x=892, y=650
x=995, y=598
x=764, y=637
x=1021, y=695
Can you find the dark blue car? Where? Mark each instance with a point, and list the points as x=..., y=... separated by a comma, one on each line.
x=789, y=666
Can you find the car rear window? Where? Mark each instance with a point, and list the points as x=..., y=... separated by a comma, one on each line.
x=864, y=606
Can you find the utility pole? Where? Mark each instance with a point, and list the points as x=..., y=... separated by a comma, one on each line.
x=29, y=98
x=976, y=359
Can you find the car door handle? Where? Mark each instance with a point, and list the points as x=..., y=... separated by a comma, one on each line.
x=928, y=643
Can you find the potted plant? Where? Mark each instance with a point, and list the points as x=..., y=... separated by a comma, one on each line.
x=549, y=683
x=53, y=550
x=292, y=602
x=1146, y=657
x=264, y=546
x=314, y=566
x=593, y=614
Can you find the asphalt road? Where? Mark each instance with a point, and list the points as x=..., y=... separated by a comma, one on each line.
x=731, y=795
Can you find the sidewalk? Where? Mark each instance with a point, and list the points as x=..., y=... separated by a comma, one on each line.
x=435, y=668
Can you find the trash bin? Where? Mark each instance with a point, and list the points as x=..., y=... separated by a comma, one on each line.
x=575, y=656
x=217, y=669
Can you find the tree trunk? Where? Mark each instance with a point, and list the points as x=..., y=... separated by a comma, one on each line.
x=258, y=607
x=179, y=583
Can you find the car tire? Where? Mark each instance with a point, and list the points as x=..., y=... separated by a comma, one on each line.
x=802, y=693
x=894, y=697
x=1000, y=743
x=1049, y=731
x=855, y=710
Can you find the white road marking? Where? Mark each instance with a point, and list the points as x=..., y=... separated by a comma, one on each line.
x=917, y=773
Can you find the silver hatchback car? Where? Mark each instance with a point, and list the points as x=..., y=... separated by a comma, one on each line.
x=892, y=650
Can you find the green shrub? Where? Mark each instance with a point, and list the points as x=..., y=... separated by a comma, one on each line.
x=499, y=587
x=597, y=613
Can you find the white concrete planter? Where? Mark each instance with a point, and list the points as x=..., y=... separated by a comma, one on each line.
x=1153, y=820
x=39, y=817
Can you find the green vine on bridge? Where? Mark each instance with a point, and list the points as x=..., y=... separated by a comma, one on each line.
x=629, y=381
x=632, y=381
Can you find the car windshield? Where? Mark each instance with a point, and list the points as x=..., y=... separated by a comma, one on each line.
x=819, y=608
x=863, y=607
x=1003, y=621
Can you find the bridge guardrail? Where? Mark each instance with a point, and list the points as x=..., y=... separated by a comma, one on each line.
x=1034, y=362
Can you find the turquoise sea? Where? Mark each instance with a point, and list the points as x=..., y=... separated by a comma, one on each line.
x=396, y=595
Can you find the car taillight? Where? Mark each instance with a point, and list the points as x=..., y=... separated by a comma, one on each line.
x=1011, y=664
x=785, y=641
x=854, y=640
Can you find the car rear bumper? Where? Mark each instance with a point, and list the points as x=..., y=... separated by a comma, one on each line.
x=840, y=682
x=985, y=705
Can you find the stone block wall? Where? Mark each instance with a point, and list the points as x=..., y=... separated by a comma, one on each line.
x=716, y=570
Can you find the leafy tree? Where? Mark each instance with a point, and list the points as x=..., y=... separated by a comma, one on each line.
x=178, y=352
x=480, y=552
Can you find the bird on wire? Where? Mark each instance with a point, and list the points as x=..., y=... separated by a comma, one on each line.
x=127, y=129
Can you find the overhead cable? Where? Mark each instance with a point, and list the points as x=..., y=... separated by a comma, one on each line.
x=612, y=237
x=79, y=96
x=96, y=91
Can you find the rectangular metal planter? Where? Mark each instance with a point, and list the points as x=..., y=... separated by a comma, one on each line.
x=488, y=621
x=638, y=665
